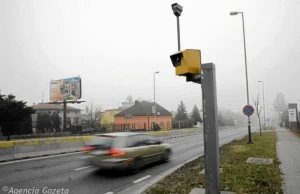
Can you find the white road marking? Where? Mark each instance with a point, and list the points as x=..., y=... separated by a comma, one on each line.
x=141, y=179
x=38, y=158
x=83, y=168
x=109, y=192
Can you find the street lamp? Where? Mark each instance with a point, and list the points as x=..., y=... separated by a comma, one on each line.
x=245, y=54
x=154, y=98
x=177, y=10
x=263, y=88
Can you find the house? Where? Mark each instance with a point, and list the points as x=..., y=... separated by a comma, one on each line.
x=73, y=114
x=140, y=116
x=107, y=117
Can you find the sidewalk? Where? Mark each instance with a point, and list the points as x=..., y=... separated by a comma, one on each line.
x=288, y=151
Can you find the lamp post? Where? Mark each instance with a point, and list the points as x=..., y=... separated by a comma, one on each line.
x=263, y=88
x=246, y=70
x=154, y=98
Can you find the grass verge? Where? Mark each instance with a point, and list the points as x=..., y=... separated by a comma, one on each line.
x=237, y=175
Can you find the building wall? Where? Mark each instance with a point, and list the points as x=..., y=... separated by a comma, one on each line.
x=165, y=122
x=108, y=116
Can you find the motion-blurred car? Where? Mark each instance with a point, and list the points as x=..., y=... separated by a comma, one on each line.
x=87, y=130
x=126, y=151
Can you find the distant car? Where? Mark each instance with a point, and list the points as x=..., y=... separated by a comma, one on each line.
x=126, y=151
x=87, y=130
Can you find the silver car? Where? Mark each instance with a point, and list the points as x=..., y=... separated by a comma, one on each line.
x=126, y=150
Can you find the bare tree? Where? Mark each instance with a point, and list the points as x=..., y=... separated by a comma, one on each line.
x=129, y=98
x=93, y=114
x=258, y=109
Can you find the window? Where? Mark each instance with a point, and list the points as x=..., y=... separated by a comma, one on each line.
x=103, y=142
x=162, y=124
x=68, y=120
x=168, y=125
x=135, y=141
x=75, y=120
x=150, y=140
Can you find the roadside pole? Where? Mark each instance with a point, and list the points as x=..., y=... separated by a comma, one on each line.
x=210, y=132
x=188, y=63
x=65, y=115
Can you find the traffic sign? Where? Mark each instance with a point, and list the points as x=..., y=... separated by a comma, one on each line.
x=248, y=110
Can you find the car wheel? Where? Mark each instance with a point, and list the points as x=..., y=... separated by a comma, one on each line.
x=166, y=156
x=137, y=166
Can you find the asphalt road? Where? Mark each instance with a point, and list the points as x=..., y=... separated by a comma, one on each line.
x=71, y=172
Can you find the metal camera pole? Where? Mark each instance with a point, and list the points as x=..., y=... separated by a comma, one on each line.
x=210, y=118
x=210, y=132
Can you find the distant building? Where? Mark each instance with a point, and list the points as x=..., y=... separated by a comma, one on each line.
x=107, y=117
x=73, y=114
x=141, y=116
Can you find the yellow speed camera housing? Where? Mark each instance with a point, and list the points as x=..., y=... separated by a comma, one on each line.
x=187, y=62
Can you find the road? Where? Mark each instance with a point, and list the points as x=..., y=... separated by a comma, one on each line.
x=70, y=171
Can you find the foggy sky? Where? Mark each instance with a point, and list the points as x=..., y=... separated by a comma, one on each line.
x=116, y=46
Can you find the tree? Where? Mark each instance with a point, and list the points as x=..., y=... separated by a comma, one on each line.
x=14, y=115
x=43, y=122
x=181, y=112
x=221, y=121
x=55, y=122
x=280, y=104
x=129, y=98
x=228, y=117
x=181, y=115
x=258, y=109
x=92, y=115
x=195, y=115
x=25, y=126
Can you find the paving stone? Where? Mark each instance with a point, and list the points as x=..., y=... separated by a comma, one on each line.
x=259, y=160
x=288, y=152
x=202, y=191
x=292, y=190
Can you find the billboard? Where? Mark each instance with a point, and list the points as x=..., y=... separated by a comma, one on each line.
x=65, y=89
x=292, y=115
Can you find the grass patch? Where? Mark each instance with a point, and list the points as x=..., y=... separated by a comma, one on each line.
x=237, y=175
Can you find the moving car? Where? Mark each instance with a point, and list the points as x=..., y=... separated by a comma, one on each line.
x=126, y=150
x=87, y=130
